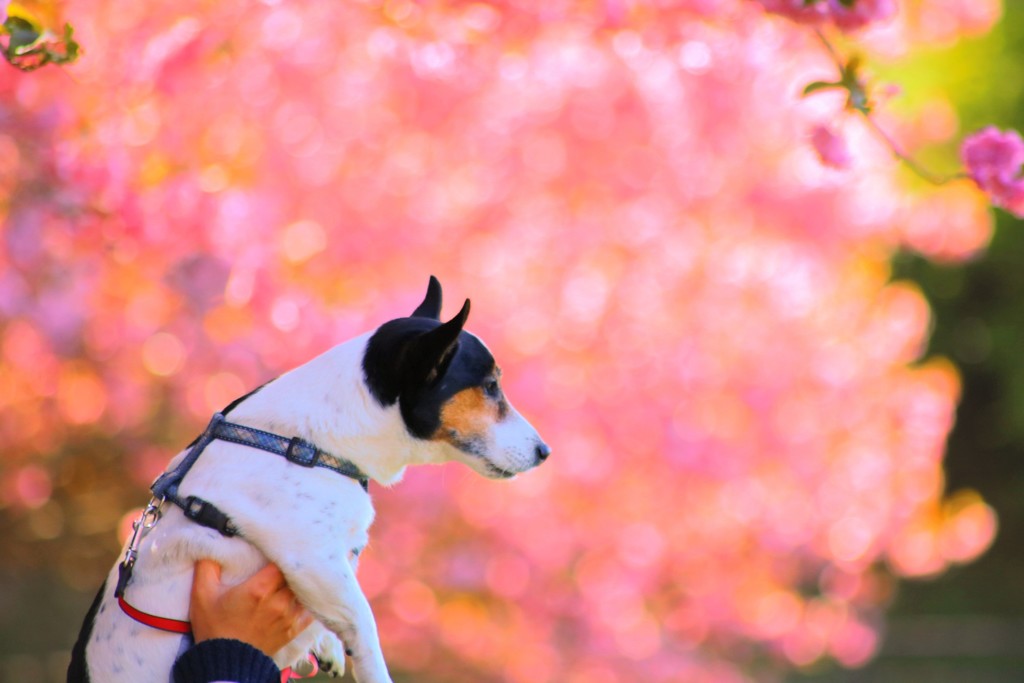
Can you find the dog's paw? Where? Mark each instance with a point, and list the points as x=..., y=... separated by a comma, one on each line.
x=330, y=652
x=304, y=668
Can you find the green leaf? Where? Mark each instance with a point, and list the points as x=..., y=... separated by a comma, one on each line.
x=23, y=34
x=71, y=47
x=849, y=72
x=28, y=48
x=821, y=85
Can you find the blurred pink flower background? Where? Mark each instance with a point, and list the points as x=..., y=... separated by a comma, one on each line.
x=747, y=441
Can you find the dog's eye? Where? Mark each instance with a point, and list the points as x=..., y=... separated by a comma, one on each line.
x=492, y=389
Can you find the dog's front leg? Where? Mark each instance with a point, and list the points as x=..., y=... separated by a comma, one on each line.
x=330, y=591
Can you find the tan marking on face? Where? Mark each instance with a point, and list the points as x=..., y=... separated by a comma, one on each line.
x=468, y=415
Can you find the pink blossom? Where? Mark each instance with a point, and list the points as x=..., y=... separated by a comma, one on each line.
x=993, y=159
x=831, y=147
x=991, y=153
x=798, y=10
x=847, y=16
x=860, y=13
x=1007, y=194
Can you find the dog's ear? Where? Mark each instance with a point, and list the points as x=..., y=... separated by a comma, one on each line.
x=432, y=352
x=431, y=306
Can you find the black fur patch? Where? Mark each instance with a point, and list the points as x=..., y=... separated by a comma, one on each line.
x=234, y=404
x=391, y=378
x=78, y=670
x=472, y=445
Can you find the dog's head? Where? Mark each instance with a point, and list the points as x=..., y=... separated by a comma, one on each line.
x=448, y=390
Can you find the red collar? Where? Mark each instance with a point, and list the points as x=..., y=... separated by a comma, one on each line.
x=185, y=628
x=153, y=621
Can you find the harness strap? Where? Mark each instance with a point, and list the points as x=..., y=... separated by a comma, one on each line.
x=295, y=450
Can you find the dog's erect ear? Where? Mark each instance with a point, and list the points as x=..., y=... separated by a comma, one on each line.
x=410, y=354
x=431, y=306
x=432, y=351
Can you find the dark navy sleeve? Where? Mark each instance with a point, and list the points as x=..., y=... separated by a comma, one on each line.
x=222, y=659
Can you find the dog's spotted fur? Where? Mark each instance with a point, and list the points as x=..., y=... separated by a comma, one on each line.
x=415, y=391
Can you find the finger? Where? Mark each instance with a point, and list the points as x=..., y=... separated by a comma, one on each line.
x=209, y=568
x=267, y=580
x=297, y=621
x=284, y=603
x=304, y=620
x=295, y=608
x=299, y=625
x=206, y=578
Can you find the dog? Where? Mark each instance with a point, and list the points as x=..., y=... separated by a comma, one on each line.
x=414, y=391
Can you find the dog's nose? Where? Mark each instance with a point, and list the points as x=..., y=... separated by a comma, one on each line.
x=542, y=452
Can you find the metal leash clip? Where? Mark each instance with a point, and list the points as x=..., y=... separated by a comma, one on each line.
x=146, y=521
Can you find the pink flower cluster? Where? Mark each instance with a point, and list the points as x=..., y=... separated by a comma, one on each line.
x=993, y=159
x=847, y=16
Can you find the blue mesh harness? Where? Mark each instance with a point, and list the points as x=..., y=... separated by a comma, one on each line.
x=296, y=450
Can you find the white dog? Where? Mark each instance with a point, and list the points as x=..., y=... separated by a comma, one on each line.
x=414, y=391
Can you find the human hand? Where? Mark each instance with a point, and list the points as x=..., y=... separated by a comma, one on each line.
x=261, y=611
